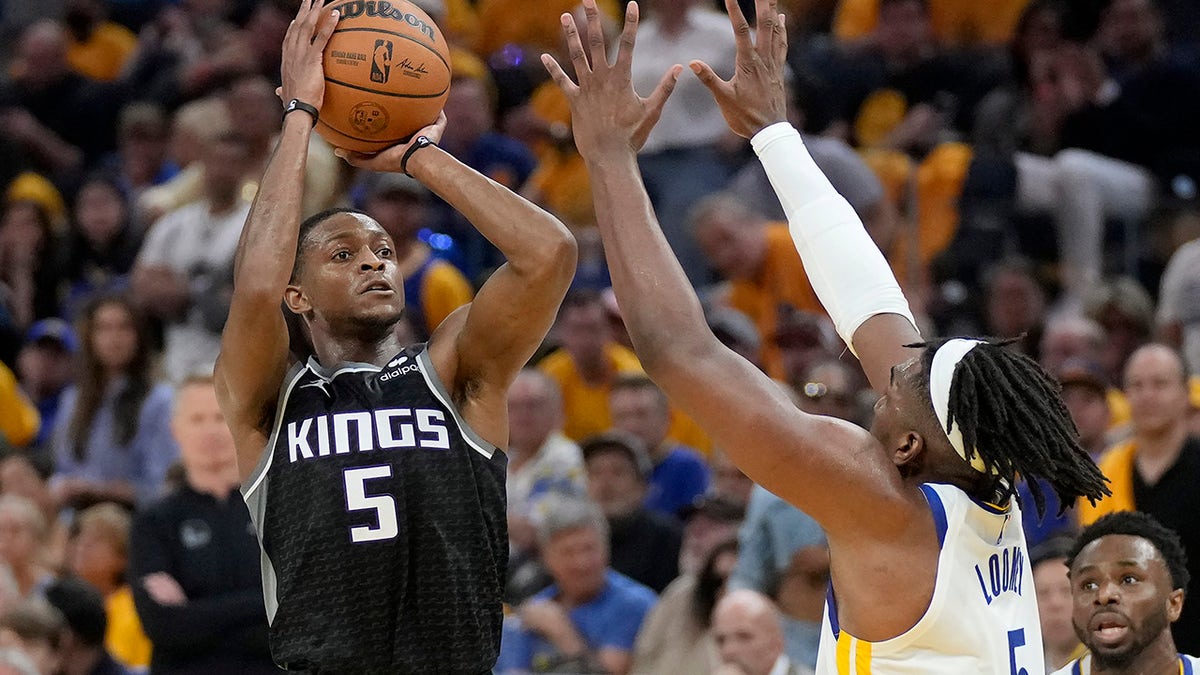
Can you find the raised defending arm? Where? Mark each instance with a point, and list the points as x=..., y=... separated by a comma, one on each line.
x=815, y=463
x=846, y=269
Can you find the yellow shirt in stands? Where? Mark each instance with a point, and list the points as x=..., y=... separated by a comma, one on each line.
x=1118, y=408
x=462, y=22
x=781, y=280
x=104, y=54
x=527, y=23
x=1117, y=464
x=124, y=638
x=443, y=290
x=585, y=407
x=19, y=420
x=955, y=22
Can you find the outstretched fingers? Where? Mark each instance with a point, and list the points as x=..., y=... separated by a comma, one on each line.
x=575, y=46
x=595, y=32
x=709, y=78
x=559, y=76
x=780, y=44
x=628, y=38
x=658, y=98
x=741, y=27
x=768, y=20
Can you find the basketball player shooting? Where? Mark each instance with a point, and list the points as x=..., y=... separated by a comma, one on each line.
x=928, y=560
x=372, y=471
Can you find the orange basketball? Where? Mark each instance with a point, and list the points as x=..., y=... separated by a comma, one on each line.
x=387, y=74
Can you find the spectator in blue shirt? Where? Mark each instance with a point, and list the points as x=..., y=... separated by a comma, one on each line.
x=784, y=555
x=679, y=474
x=586, y=621
x=45, y=366
x=112, y=439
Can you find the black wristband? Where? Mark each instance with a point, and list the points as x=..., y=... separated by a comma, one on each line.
x=418, y=143
x=297, y=104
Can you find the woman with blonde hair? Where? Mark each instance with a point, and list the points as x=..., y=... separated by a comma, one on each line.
x=22, y=544
x=99, y=555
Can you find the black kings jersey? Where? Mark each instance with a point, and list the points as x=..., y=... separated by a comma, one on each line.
x=381, y=517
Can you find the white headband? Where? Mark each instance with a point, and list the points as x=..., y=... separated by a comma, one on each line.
x=941, y=375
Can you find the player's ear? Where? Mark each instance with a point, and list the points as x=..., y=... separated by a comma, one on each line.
x=1174, y=605
x=295, y=299
x=909, y=451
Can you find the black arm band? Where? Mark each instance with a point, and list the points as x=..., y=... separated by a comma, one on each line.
x=418, y=143
x=297, y=104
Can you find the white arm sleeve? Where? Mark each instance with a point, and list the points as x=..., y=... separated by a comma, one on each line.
x=849, y=274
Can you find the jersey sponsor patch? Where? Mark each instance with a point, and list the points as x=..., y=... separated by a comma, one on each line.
x=399, y=366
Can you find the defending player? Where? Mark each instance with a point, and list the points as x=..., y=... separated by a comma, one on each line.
x=927, y=554
x=1128, y=581
x=372, y=471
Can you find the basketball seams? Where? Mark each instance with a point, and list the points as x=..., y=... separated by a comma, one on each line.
x=374, y=141
x=340, y=83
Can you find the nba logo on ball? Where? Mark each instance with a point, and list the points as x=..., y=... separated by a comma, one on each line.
x=365, y=108
x=381, y=64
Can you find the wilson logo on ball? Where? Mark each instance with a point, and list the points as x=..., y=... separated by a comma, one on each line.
x=384, y=9
x=381, y=62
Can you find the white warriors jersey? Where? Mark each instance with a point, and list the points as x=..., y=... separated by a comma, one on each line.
x=983, y=617
x=1188, y=665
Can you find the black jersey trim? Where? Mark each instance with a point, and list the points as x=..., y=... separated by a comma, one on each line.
x=435, y=385
x=264, y=462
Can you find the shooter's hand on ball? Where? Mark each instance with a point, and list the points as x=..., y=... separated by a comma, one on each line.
x=392, y=159
x=302, y=73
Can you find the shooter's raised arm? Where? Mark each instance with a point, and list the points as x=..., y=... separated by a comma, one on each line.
x=480, y=347
x=846, y=269
x=254, y=344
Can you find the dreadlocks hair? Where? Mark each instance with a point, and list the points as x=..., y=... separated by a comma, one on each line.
x=1011, y=413
x=1145, y=526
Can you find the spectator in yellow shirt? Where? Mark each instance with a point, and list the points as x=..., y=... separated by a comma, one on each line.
x=957, y=22
x=19, y=419
x=766, y=278
x=99, y=48
x=587, y=364
x=99, y=554
x=1157, y=469
x=534, y=25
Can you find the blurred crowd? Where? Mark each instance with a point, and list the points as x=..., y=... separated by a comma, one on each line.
x=1030, y=169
